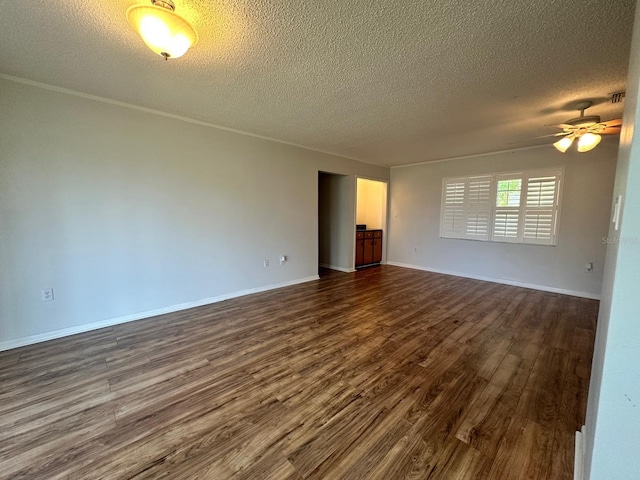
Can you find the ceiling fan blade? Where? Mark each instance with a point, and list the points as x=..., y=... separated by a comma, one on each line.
x=562, y=125
x=611, y=131
x=560, y=134
x=612, y=123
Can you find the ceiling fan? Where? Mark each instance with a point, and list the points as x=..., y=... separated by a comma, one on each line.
x=586, y=128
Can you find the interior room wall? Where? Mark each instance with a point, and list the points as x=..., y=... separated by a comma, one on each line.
x=126, y=213
x=335, y=217
x=612, y=433
x=588, y=182
x=361, y=203
x=371, y=203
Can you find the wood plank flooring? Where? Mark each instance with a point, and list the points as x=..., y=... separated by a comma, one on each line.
x=387, y=373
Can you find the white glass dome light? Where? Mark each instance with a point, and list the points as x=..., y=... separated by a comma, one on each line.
x=164, y=31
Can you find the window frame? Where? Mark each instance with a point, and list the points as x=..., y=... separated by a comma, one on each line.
x=523, y=210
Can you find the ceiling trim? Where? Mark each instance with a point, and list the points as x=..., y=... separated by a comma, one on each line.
x=97, y=98
x=475, y=155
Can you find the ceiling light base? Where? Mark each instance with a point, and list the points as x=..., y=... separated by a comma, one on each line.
x=584, y=121
x=168, y=4
x=583, y=105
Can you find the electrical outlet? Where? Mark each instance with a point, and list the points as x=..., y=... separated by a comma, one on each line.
x=266, y=264
x=47, y=294
x=283, y=259
x=589, y=267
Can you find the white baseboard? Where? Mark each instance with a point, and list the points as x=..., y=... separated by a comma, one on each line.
x=85, y=327
x=335, y=267
x=514, y=283
x=578, y=462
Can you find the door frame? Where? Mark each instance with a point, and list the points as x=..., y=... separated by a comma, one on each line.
x=342, y=243
x=385, y=223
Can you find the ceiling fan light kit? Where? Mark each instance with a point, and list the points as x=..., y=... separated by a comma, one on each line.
x=588, y=141
x=588, y=129
x=165, y=32
x=563, y=144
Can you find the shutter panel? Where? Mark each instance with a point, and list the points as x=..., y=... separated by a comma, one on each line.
x=518, y=207
x=452, y=221
x=505, y=225
x=478, y=208
x=541, y=191
x=539, y=227
x=506, y=219
x=541, y=208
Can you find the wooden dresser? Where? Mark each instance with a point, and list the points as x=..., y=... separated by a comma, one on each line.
x=368, y=247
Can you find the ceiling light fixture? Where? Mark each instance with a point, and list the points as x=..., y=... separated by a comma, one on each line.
x=563, y=144
x=588, y=141
x=164, y=31
x=587, y=129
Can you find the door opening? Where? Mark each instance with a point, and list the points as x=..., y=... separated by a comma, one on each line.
x=371, y=222
x=335, y=222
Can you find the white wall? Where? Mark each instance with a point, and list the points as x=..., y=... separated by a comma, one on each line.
x=588, y=182
x=123, y=211
x=336, y=223
x=612, y=443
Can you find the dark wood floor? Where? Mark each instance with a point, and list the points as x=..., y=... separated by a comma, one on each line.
x=387, y=373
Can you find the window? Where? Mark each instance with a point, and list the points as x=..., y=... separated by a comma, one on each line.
x=507, y=208
x=519, y=207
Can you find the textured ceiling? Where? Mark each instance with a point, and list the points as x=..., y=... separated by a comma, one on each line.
x=388, y=82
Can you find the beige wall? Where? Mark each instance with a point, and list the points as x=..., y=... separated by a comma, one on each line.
x=124, y=212
x=371, y=203
x=588, y=182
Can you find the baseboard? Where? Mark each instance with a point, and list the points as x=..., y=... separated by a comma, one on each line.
x=514, y=283
x=335, y=267
x=86, y=327
x=578, y=462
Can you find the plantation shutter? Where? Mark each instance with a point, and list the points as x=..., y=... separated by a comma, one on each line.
x=518, y=207
x=506, y=219
x=541, y=208
x=453, y=208
x=478, y=208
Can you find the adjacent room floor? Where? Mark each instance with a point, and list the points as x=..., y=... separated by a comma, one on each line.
x=387, y=373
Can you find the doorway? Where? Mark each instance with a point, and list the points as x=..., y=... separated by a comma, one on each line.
x=371, y=222
x=335, y=222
